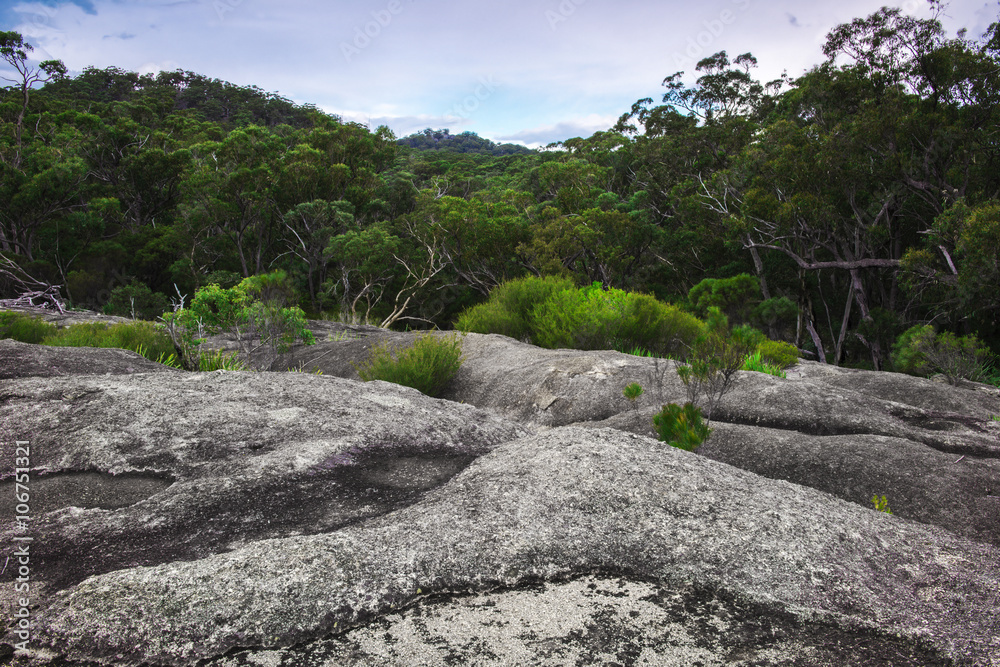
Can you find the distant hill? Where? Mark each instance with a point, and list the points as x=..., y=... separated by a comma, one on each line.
x=466, y=142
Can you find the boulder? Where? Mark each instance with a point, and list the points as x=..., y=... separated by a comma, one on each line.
x=958, y=493
x=22, y=360
x=930, y=448
x=143, y=469
x=563, y=387
x=590, y=537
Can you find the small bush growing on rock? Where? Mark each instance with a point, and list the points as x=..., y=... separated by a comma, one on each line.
x=919, y=351
x=552, y=313
x=715, y=358
x=681, y=427
x=427, y=366
x=778, y=353
x=508, y=311
x=881, y=504
x=24, y=328
x=145, y=338
x=632, y=392
x=756, y=363
x=254, y=311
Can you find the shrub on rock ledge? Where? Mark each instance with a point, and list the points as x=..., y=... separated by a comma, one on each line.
x=427, y=366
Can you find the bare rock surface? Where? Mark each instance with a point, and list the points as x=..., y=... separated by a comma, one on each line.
x=562, y=387
x=293, y=519
x=958, y=493
x=22, y=360
x=678, y=530
x=245, y=457
x=930, y=448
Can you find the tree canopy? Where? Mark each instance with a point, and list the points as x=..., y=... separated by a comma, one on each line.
x=849, y=203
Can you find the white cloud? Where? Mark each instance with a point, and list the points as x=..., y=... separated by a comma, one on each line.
x=421, y=64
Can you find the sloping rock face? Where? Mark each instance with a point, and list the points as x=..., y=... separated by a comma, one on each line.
x=930, y=448
x=288, y=518
x=669, y=529
x=22, y=360
x=149, y=468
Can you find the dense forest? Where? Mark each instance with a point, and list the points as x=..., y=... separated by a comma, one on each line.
x=841, y=207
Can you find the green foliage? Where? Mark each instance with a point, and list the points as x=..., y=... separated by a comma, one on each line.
x=146, y=338
x=24, y=328
x=881, y=504
x=776, y=316
x=907, y=354
x=572, y=319
x=918, y=351
x=510, y=307
x=170, y=360
x=596, y=319
x=180, y=179
x=551, y=313
x=736, y=296
x=632, y=392
x=756, y=362
x=715, y=358
x=136, y=300
x=681, y=427
x=427, y=366
x=254, y=311
x=220, y=360
x=778, y=353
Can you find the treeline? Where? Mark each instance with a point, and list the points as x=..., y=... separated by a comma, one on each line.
x=839, y=208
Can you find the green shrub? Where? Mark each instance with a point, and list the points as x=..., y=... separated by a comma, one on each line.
x=918, y=351
x=576, y=319
x=681, y=427
x=778, y=353
x=715, y=358
x=24, y=328
x=427, y=366
x=138, y=301
x=255, y=312
x=510, y=306
x=492, y=317
x=220, y=360
x=734, y=296
x=551, y=313
x=145, y=338
x=646, y=322
x=756, y=363
x=907, y=355
x=678, y=331
x=632, y=392
x=596, y=319
x=881, y=504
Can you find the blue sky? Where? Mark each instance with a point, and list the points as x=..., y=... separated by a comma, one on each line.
x=528, y=71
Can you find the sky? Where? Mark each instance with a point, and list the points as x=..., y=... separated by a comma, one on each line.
x=523, y=71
